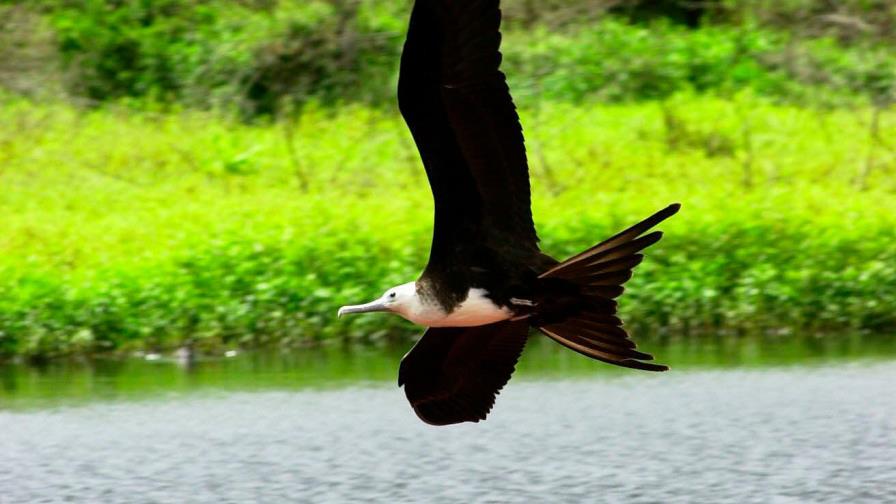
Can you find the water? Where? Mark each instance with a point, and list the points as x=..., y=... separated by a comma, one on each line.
x=805, y=421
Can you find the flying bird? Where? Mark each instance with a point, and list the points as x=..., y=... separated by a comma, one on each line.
x=487, y=282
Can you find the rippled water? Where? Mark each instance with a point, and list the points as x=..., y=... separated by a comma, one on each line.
x=565, y=430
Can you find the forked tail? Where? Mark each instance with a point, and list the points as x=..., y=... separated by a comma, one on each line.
x=581, y=312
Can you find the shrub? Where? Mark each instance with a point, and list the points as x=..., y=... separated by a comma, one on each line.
x=269, y=58
x=143, y=230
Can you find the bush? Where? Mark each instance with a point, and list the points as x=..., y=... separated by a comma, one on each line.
x=267, y=58
x=140, y=230
x=208, y=54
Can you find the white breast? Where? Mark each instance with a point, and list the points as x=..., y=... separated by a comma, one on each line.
x=476, y=310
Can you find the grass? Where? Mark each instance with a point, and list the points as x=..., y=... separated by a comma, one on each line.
x=126, y=230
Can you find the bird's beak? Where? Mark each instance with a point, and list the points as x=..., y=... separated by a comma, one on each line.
x=372, y=306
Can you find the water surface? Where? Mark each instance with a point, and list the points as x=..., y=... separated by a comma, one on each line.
x=782, y=421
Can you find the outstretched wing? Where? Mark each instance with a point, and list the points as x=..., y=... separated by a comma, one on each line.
x=458, y=107
x=453, y=374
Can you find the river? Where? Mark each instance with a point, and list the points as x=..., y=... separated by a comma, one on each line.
x=752, y=422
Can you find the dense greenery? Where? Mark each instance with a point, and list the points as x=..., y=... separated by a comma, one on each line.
x=266, y=57
x=231, y=172
x=124, y=230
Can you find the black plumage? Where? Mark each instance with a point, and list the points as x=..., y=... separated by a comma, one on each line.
x=458, y=107
x=459, y=110
x=453, y=373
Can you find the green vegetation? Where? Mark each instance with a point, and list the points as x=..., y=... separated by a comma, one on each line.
x=262, y=58
x=231, y=172
x=126, y=230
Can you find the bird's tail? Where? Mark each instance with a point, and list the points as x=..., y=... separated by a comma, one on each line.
x=581, y=314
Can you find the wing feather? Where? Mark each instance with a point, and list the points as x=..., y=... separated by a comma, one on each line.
x=485, y=120
x=453, y=374
x=458, y=108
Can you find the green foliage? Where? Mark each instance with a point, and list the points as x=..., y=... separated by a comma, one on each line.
x=141, y=230
x=217, y=54
x=268, y=57
x=617, y=61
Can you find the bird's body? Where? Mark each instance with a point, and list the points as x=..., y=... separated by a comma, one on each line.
x=487, y=281
x=476, y=309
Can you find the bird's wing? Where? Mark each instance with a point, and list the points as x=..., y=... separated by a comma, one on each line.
x=453, y=374
x=458, y=107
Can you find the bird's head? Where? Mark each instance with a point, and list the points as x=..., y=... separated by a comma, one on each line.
x=399, y=299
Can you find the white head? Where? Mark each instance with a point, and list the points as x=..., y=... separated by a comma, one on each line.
x=401, y=299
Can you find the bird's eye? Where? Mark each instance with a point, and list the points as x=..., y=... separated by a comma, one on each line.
x=392, y=295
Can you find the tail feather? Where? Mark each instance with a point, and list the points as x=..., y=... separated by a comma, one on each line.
x=625, y=249
x=599, y=304
x=596, y=336
x=610, y=277
x=612, y=332
x=622, y=237
x=599, y=274
x=595, y=262
x=581, y=271
x=610, y=358
x=606, y=291
x=592, y=345
x=600, y=318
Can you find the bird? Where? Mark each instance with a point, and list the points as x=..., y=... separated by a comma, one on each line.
x=487, y=284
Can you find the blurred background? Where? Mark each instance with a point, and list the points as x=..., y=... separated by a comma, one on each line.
x=190, y=189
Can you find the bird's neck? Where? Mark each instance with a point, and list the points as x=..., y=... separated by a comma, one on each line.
x=444, y=291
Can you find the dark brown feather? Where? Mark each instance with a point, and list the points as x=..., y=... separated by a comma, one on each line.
x=485, y=119
x=587, y=270
x=621, y=252
x=458, y=208
x=610, y=277
x=602, y=342
x=614, y=332
x=453, y=374
x=620, y=238
x=569, y=340
x=606, y=291
x=593, y=329
x=458, y=107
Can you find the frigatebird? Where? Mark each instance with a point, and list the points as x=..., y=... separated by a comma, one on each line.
x=487, y=282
